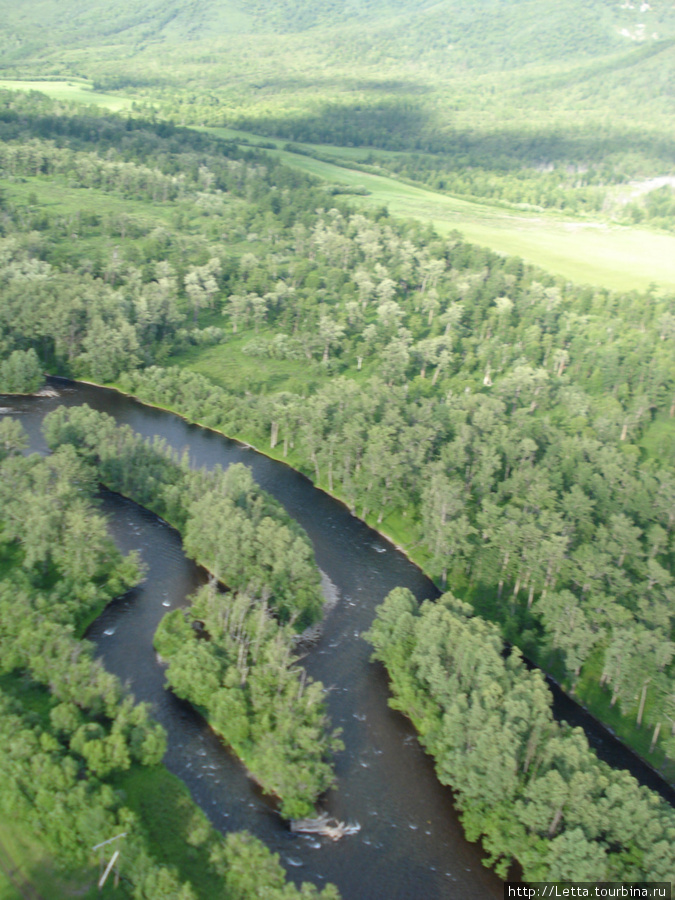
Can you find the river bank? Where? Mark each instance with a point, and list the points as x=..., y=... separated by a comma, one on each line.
x=663, y=771
x=411, y=842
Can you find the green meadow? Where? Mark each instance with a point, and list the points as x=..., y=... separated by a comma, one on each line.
x=31, y=869
x=59, y=198
x=71, y=91
x=582, y=250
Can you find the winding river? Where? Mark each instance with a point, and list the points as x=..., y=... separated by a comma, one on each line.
x=411, y=844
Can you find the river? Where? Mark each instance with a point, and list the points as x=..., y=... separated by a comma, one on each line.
x=411, y=843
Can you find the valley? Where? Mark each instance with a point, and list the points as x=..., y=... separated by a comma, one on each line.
x=422, y=255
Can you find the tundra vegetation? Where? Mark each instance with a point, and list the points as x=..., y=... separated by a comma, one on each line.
x=512, y=430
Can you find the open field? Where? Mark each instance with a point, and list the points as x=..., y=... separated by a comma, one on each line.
x=73, y=91
x=581, y=250
x=7, y=890
x=614, y=256
x=59, y=198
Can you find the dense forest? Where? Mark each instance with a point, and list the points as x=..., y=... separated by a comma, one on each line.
x=512, y=431
x=70, y=730
x=482, y=409
x=529, y=786
x=231, y=655
x=238, y=532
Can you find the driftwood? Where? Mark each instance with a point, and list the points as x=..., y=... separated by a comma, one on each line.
x=309, y=636
x=325, y=826
x=314, y=633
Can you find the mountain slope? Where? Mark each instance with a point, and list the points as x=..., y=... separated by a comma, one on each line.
x=506, y=85
x=487, y=33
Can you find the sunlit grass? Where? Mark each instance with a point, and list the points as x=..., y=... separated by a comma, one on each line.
x=579, y=249
x=32, y=867
x=170, y=822
x=74, y=91
x=57, y=197
x=227, y=366
x=658, y=439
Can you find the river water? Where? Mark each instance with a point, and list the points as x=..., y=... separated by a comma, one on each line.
x=411, y=844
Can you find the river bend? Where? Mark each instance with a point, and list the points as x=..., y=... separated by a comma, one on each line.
x=411, y=844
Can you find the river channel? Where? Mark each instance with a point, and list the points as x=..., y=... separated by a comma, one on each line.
x=411, y=844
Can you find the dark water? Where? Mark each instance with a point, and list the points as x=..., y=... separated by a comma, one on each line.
x=411, y=843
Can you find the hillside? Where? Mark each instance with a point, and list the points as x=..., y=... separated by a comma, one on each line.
x=383, y=47
x=525, y=30
x=536, y=102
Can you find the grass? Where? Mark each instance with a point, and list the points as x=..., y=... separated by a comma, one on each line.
x=579, y=249
x=228, y=367
x=7, y=889
x=178, y=834
x=56, y=196
x=658, y=439
x=10, y=557
x=73, y=91
x=622, y=721
x=177, y=831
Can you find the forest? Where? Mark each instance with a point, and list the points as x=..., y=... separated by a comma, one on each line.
x=560, y=105
x=486, y=719
x=71, y=733
x=512, y=431
x=231, y=656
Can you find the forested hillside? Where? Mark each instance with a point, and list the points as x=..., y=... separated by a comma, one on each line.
x=551, y=104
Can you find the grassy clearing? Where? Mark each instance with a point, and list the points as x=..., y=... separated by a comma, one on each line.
x=114, y=215
x=178, y=832
x=622, y=721
x=29, y=866
x=73, y=91
x=582, y=250
x=613, y=256
x=658, y=440
x=7, y=889
x=57, y=197
x=340, y=154
x=226, y=366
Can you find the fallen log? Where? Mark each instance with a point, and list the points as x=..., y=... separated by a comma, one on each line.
x=324, y=826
